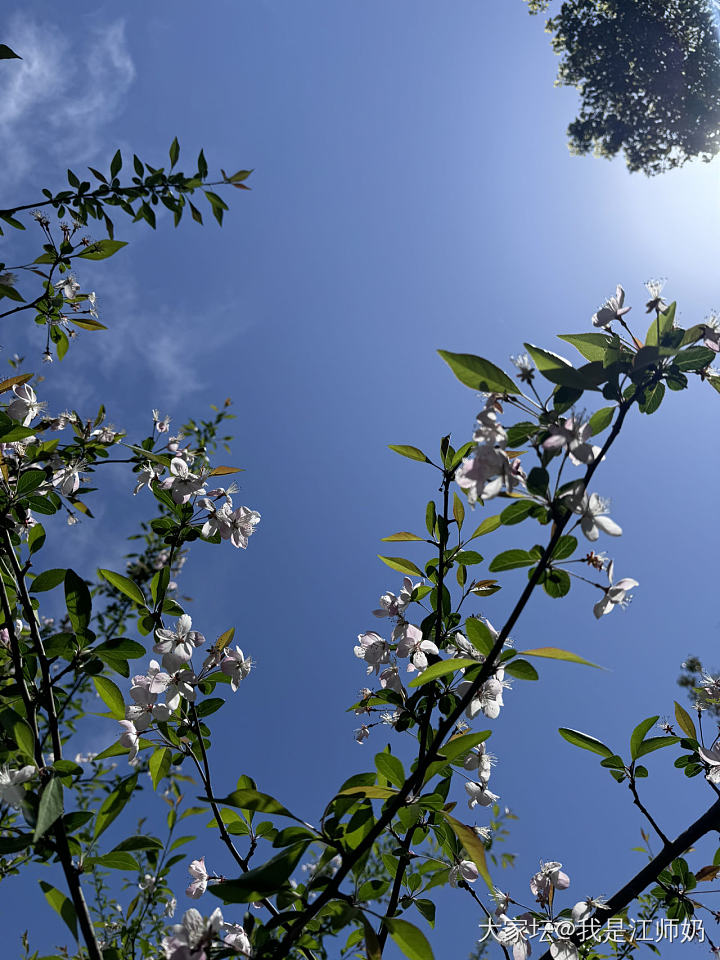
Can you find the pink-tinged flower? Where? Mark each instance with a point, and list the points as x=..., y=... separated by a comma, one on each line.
x=145, y=709
x=191, y=938
x=236, y=938
x=362, y=733
x=593, y=513
x=25, y=406
x=487, y=428
x=515, y=934
x=200, y=876
x=10, y=790
x=392, y=606
x=612, y=309
x=129, y=738
x=236, y=666
x=219, y=519
x=242, y=525
x=654, y=289
x=182, y=484
x=464, y=870
x=390, y=680
x=549, y=877
x=176, y=685
x=146, y=475
x=373, y=650
x=475, y=474
x=410, y=643
x=573, y=434
x=616, y=595
x=479, y=794
x=711, y=333
x=489, y=698
x=584, y=909
x=177, y=646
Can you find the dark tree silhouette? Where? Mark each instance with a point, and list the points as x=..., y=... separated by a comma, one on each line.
x=648, y=74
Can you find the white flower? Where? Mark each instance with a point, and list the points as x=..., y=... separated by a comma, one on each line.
x=25, y=406
x=464, y=870
x=612, y=309
x=362, y=733
x=392, y=606
x=515, y=934
x=219, y=519
x=129, y=739
x=373, y=650
x=479, y=795
x=242, y=526
x=200, y=876
x=654, y=289
x=593, y=514
x=478, y=759
x=183, y=484
x=390, y=679
x=10, y=790
x=584, y=909
x=574, y=434
x=177, y=646
x=564, y=950
x=549, y=877
x=69, y=287
x=525, y=367
x=176, y=685
x=190, y=937
x=487, y=428
x=615, y=595
x=236, y=666
x=145, y=709
x=236, y=938
x=411, y=644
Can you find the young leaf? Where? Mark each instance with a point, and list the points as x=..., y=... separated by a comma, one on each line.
x=460, y=745
x=655, y=743
x=592, y=346
x=522, y=670
x=374, y=793
x=441, y=669
x=102, y=249
x=553, y=653
x=479, y=374
x=412, y=453
x=124, y=585
x=61, y=904
x=403, y=566
x=111, y=696
x=402, y=536
x=159, y=765
x=685, y=722
x=487, y=526
x=474, y=846
x=585, y=741
x=411, y=941
x=51, y=807
x=638, y=735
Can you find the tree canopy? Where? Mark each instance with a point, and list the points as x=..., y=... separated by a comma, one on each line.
x=648, y=74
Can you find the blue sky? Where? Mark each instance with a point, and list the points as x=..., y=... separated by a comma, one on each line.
x=412, y=191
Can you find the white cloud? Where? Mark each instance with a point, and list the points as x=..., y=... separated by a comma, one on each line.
x=55, y=102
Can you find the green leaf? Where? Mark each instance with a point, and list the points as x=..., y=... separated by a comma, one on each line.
x=412, y=453
x=441, y=669
x=592, y=346
x=115, y=860
x=556, y=583
x=174, y=152
x=516, y=512
x=694, y=358
x=28, y=481
x=460, y=745
x=479, y=374
x=159, y=765
x=458, y=510
x=638, y=735
x=138, y=843
x=51, y=807
x=402, y=536
x=249, y=799
x=24, y=739
x=521, y=669
x=403, y=566
x=511, y=560
x=373, y=792
x=263, y=881
x=411, y=941
x=478, y=633
x=116, y=164
x=660, y=326
x=585, y=741
x=77, y=601
x=601, y=419
x=11, y=293
x=474, y=846
x=685, y=722
x=565, y=547
x=655, y=743
x=111, y=696
x=554, y=653
x=119, y=648
x=488, y=525
x=60, y=904
x=102, y=249
x=391, y=768
x=653, y=399
x=7, y=54
x=114, y=804
x=124, y=585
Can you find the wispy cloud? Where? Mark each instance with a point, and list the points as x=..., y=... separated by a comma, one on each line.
x=55, y=102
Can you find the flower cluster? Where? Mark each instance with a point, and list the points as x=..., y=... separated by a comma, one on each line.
x=196, y=935
x=484, y=474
